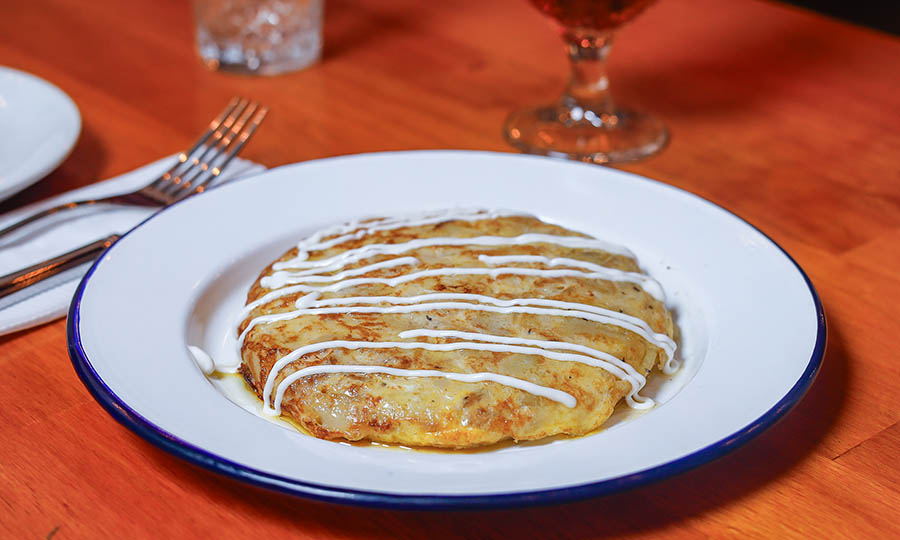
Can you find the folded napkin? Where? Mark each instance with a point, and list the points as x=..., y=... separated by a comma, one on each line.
x=71, y=229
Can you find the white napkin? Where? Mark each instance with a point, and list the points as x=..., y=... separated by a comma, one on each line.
x=71, y=229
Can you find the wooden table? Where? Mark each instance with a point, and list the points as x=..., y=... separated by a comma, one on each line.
x=788, y=119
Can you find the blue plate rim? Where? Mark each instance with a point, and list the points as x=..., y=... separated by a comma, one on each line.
x=167, y=442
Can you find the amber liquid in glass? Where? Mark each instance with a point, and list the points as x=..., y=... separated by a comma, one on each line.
x=594, y=14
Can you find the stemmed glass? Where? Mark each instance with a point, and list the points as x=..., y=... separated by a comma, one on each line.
x=584, y=123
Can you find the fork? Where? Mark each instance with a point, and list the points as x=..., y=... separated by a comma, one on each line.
x=223, y=140
x=194, y=169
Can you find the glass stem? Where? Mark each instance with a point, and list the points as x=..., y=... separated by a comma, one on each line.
x=588, y=89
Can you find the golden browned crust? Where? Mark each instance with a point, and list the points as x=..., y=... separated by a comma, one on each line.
x=440, y=412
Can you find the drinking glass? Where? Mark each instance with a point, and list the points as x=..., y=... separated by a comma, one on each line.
x=584, y=123
x=264, y=37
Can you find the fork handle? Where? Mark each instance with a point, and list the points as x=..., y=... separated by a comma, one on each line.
x=44, y=213
x=21, y=279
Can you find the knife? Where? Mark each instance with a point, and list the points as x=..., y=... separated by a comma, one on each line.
x=22, y=279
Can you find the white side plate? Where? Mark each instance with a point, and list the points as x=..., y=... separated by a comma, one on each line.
x=753, y=331
x=40, y=125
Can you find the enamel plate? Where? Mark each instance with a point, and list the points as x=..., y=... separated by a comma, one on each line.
x=752, y=330
x=40, y=124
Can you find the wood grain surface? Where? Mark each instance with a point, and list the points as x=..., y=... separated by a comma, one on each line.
x=787, y=118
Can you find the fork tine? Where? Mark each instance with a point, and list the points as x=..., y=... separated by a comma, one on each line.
x=214, y=126
x=169, y=183
x=233, y=150
x=172, y=187
x=212, y=153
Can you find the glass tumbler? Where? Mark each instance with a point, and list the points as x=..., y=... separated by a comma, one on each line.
x=259, y=37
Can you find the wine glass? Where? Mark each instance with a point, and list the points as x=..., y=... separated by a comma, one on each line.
x=584, y=123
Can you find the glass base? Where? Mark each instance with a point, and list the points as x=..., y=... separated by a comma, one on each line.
x=573, y=133
x=252, y=65
x=234, y=56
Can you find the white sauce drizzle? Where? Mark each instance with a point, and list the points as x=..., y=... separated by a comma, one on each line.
x=518, y=305
x=550, y=393
x=369, y=250
x=310, y=272
x=337, y=262
x=364, y=228
x=203, y=360
x=280, y=279
x=650, y=285
x=440, y=347
x=625, y=371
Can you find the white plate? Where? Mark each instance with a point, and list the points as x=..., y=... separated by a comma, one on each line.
x=40, y=125
x=753, y=327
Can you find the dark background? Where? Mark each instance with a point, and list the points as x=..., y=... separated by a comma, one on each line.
x=880, y=14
